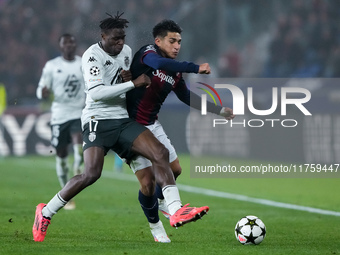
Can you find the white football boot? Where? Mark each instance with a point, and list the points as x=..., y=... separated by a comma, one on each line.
x=158, y=232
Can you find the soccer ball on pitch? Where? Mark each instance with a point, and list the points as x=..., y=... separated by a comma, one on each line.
x=250, y=230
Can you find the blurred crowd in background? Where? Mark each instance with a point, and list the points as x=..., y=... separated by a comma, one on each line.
x=239, y=38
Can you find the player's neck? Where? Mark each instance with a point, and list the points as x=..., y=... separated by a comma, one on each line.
x=162, y=53
x=102, y=47
x=69, y=57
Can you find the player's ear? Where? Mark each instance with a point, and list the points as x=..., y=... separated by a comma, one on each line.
x=61, y=43
x=157, y=41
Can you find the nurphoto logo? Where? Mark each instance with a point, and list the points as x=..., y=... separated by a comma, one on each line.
x=239, y=105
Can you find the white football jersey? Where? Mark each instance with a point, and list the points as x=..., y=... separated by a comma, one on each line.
x=64, y=78
x=102, y=69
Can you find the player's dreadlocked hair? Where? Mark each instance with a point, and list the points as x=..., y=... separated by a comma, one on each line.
x=165, y=26
x=113, y=22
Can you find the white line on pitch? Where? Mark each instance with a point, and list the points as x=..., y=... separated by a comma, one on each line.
x=221, y=194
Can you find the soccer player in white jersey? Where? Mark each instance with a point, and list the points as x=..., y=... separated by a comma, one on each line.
x=106, y=126
x=62, y=76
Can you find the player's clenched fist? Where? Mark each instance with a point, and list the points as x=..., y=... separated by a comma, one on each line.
x=45, y=92
x=126, y=75
x=142, y=80
x=204, y=69
x=227, y=113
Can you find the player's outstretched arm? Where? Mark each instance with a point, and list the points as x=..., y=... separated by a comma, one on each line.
x=156, y=62
x=193, y=100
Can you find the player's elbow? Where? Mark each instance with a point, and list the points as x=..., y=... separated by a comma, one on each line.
x=96, y=93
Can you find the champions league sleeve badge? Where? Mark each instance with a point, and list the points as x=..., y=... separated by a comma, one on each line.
x=94, y=70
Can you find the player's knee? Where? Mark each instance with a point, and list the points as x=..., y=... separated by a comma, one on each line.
x=176, y=168
x=177, y=172
x=91, y=176
x=148, y=190
x=148, y=186
x=161, y=154
x=62, y=152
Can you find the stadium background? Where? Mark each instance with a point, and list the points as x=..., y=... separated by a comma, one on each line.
x=239, y=38
x=256, y=39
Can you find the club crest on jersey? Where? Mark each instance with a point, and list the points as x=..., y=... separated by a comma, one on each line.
x=92, y=136
x=94, y=70
x=127, y=61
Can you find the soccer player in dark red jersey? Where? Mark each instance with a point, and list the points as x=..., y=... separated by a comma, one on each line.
x=158, y=62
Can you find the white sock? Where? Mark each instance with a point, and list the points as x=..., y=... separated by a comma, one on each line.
x=62, y=170
x=172, y=198
x=154, y=225
x=55, y=204
x=78, y=158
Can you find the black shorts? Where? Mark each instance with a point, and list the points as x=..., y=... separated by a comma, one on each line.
x=61, y=133
x=117, y=135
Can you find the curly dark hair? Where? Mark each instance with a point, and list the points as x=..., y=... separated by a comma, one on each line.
x=113, y=22
x=165, y=26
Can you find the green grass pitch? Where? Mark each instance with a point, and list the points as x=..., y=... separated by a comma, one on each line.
x=108, y=218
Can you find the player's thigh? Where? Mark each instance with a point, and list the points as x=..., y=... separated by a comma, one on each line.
x=136, y=139
x=101, y=133
x=60, y=138
x=93, y=161
x=160, y=134
x=129, y=132
x=147, y=145
x=98, y=137
x=139, y=163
